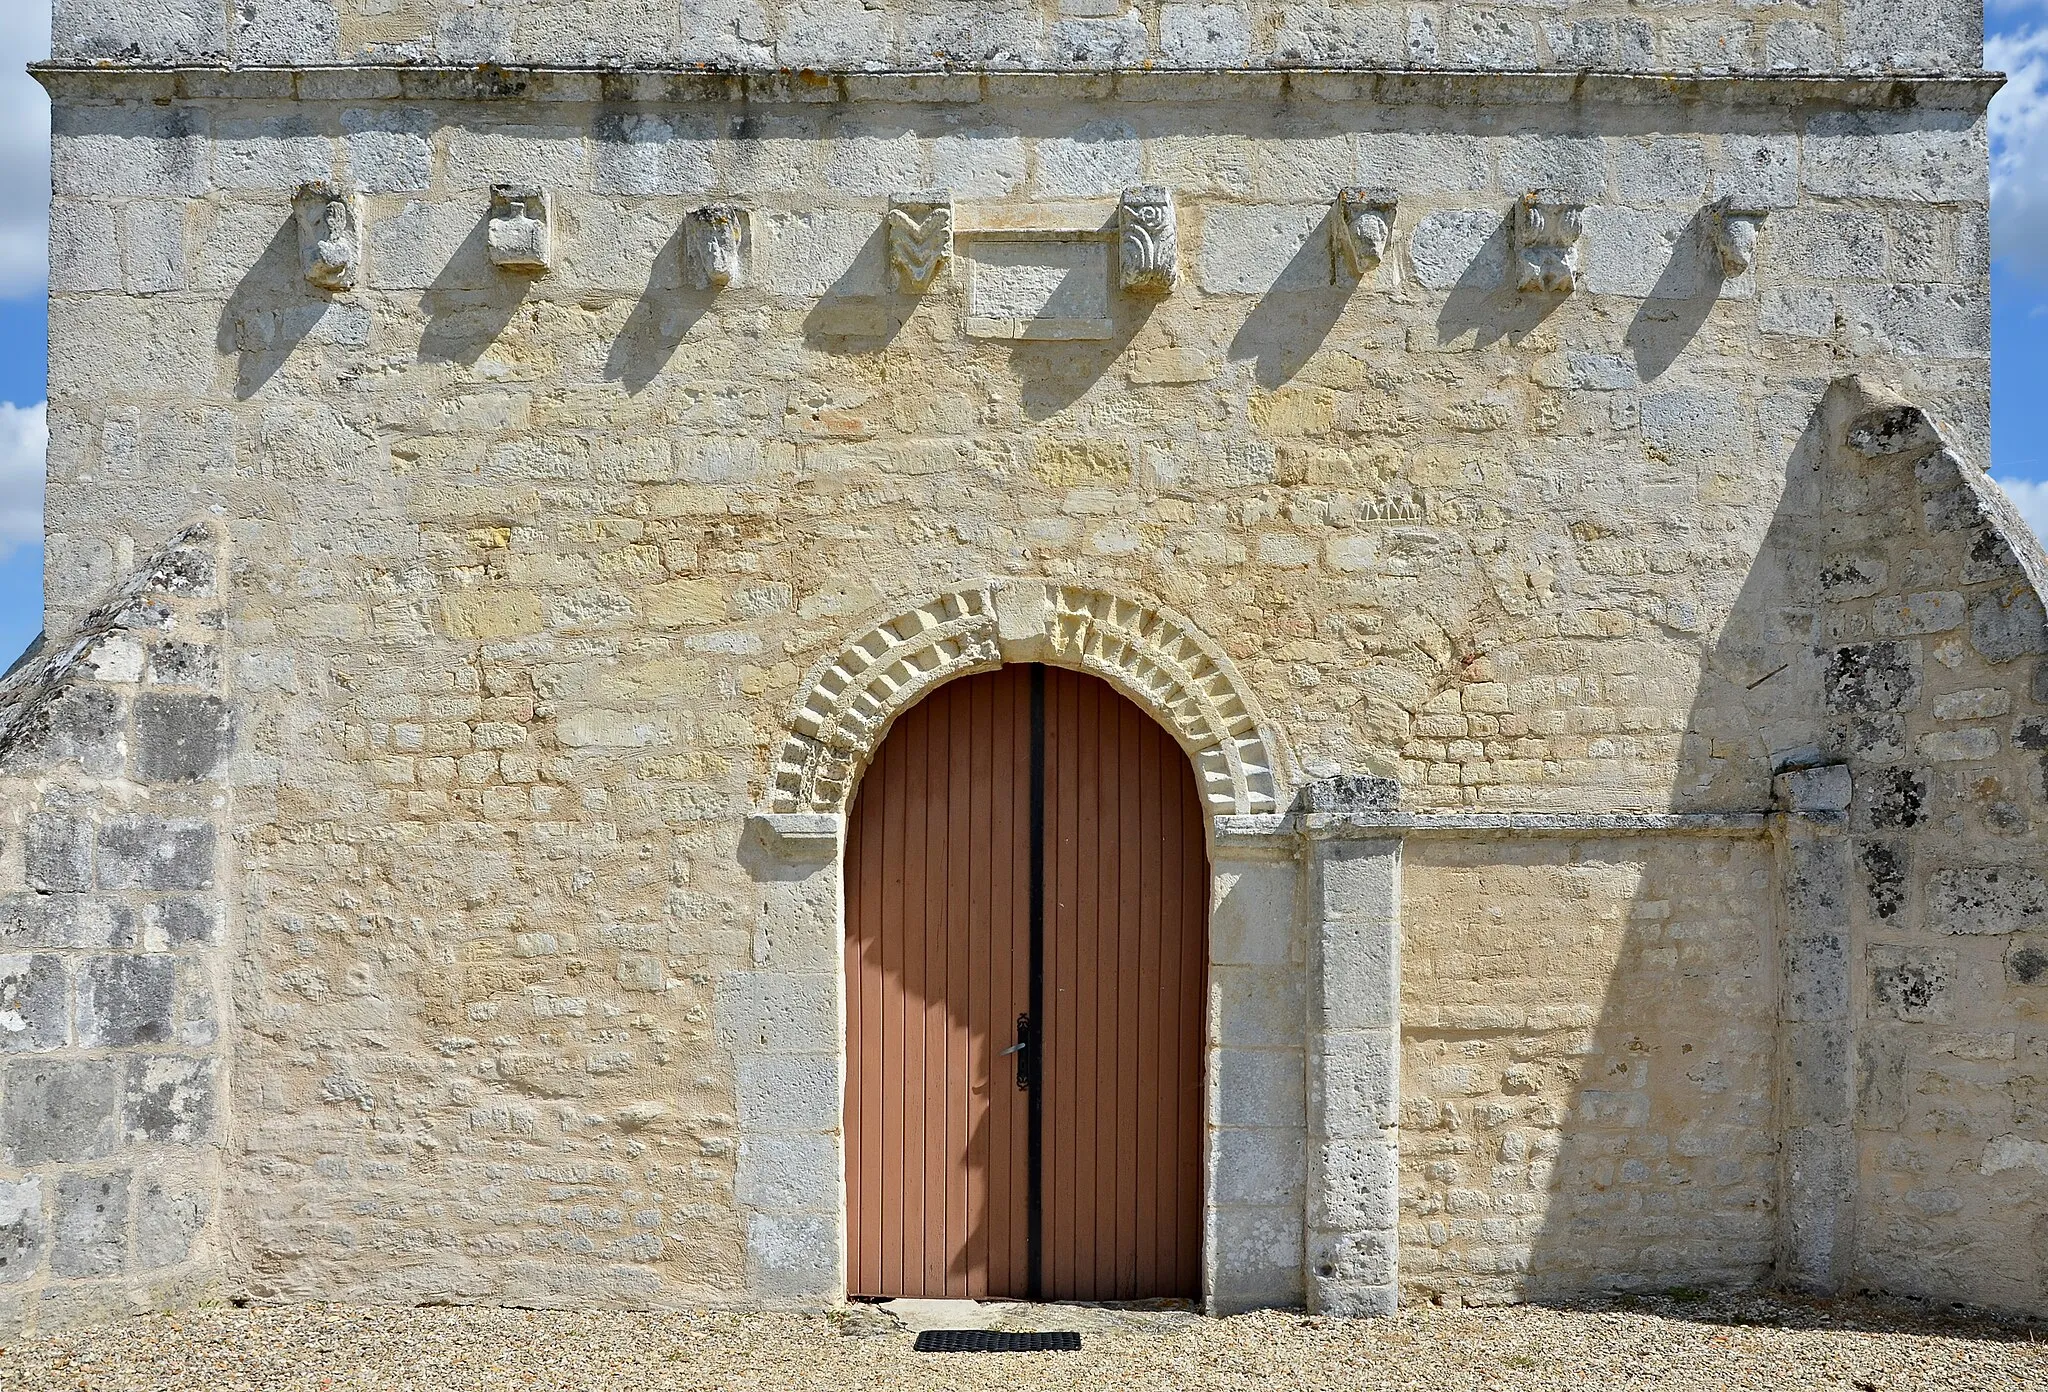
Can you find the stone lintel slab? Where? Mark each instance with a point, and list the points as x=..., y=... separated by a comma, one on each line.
x=1426, y=87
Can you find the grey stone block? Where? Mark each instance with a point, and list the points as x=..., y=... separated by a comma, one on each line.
x=1913, y=35
x=171, y=1210
x=1257, y=1166
x=57, y=852
x=1255, y=1255
x=81, y=722
x=1253, y=921
x=58, y=1109
x=1880, y=1078
x=166, y=31
x=1816, y=977
x=174, y=923
x=789, y=1174
x=129, y=151
x=1921, y=155
x=1570, y=164
x=140, y=852
x=1258, y=1007
x=125, y=1001
x=90, y=1230
x=1817, y=880
x=1912, y=984
x=1352, y=1260
x=1466, y=248
x=793, y=1258
x=1817, y=1085
x=168, y=1099
x=1357, y=989
x=1991, y=899
x=780, y=1012
x=65, y=920
x=1359, y=879
x=286, y=32
x=180, y=738
x=1883, y=866
x=22, y=1230
x=1260, y=1087
x=1353, y=1186
x=2026, y=962
x=789, y=1093
x=1892, y=797
x=1353, y=1084
x=2008, y=623
x=35, y=1008
x=1865, y=677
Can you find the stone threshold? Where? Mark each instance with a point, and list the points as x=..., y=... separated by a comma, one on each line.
x=1437, y=87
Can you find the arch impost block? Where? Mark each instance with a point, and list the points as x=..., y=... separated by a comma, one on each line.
x=1187, y=683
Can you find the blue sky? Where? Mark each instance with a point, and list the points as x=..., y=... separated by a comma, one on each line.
x=2016, y=43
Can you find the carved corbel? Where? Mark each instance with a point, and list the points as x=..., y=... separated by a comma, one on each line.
x=522, y=230
x=1736, y=227
x=330, y=235
x=1148, y=243
x=920, y=237
x=1362, y=228
x=714, y=234
x=1547, y=226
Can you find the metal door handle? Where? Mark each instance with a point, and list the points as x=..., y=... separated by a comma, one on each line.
x=1022, y=1049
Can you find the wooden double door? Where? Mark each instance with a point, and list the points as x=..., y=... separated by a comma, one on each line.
x=1027, y=892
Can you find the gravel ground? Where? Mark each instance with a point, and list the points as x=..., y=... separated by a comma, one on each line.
x=1710, y=1342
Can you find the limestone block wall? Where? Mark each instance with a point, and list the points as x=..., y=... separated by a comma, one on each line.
x=1711, y=36
x=1589, y=1029
x=1937, y=697
x=113, y=919
x=536, y=571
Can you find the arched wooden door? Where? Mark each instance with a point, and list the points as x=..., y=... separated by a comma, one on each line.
x=1025, y=864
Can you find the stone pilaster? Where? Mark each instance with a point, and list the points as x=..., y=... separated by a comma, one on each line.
x=1816, y=1090
x=783, y=1021
x=1353, y=1050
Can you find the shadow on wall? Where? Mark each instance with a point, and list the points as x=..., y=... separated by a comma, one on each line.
x=1817, y=1051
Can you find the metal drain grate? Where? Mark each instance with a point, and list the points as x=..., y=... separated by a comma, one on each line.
x=996, y=1341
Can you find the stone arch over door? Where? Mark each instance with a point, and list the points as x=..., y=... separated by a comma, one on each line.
x=783, y=1018
x=1179, y=676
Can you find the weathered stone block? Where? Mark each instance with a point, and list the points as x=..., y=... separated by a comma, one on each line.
x=793, y=1257
x=129, y=152
x=35, y=1007
x=1817, y=1084
x=1353, y=1078
x=22, y=1230
x=1353, y=1185
x=1987, y=899
x=65, y=920
x=57, y=852
x=1359, y=879
x=2026, y=962
x=781, y=1093
x=170, y=924
x=1883, y=865
x=1260, y=1087
x=1880, y=1077
x=1883, y=676
x=142, y=852
x=91, y=1228
x=789, y=1173
x=1912, y=984
x=180, y=738
x=124, y=1001
x=2008, y=623
x=1359, y=964
x=58, y=1109
x=1256, y=1255
x=1466, y=249
x=778, y=1012
x=1816, y=985
x=171, y=1210
x=1892, y=797
x=286, y=31
x=168, y=1099
x=1257, y=1166
x=176, y=31
x=1921, y=613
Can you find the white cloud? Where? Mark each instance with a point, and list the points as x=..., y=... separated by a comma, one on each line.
x=2019, y=151
x=24, y=442
x=2031, y=498
x=24, y=149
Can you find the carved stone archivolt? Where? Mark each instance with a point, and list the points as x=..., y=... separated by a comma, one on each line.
x=1547, y=226
x=521, y=231
x=1182, y=679
x=920, y=237
x=1361, y=229
x=1148, y=241
x=330, y=222
x=713, y=236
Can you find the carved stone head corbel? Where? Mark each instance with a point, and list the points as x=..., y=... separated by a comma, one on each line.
x=1735, y=227
x=521, y=232
x=713, y=237
x=1148, y=242
x=1547, y=226
x=920, y=237
x=330, y=236
x=1362, y=229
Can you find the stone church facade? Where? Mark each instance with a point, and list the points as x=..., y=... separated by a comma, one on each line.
x=512, y=465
